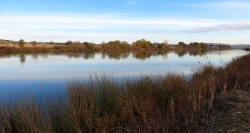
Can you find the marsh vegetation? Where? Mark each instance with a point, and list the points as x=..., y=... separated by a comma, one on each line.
x=163, y=103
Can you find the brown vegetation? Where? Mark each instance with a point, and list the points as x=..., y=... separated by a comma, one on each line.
x=165, y=103
x=7, y=46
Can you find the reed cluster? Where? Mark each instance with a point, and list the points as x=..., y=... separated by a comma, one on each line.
x=163, y=103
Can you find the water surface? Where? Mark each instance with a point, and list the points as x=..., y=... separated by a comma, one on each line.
x=49, y=74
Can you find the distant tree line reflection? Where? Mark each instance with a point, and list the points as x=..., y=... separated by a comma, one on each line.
x=141, y=55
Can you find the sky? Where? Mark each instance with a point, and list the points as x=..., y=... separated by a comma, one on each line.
x=212, y=21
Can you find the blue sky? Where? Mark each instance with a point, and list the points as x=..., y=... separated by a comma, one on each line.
x=221, y=21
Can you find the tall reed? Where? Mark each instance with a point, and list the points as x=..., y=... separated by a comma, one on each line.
x=163, y=103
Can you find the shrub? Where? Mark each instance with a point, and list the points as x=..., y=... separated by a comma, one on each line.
x=142, y=44
x=182, y=44
x=21, y=43
x=89, y=46
x=69, y=43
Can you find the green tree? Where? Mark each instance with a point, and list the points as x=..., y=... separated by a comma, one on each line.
x=21, y=43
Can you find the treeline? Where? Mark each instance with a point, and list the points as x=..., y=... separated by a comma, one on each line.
x=117, y=45
x=202, y=45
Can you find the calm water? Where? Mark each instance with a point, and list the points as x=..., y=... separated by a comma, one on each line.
x=49, y=74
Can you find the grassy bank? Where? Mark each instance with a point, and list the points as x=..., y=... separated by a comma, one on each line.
x=8, y=46
x=165, y=103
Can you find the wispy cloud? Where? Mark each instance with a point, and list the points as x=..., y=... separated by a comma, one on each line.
x=92, y=27
x=96, y=22
x=101, y=20
x=223, y=27
x=106, y=27
x=91, y=37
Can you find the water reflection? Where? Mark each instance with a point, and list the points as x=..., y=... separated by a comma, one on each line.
x=65, y=66
x=51, y=72
x=111, y=55
x=22, y=58
x=116, y=55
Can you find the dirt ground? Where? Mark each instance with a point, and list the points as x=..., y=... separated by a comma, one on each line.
x=231, y=113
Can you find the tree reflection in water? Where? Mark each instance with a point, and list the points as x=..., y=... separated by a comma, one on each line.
x=142, y=55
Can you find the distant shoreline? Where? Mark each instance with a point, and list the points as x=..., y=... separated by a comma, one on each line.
x=7, y=46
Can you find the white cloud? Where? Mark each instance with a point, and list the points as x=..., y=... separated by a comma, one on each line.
x=91, y=27
x=106, y=27
x=223, y=27
x=99, y=20
x=91, y=37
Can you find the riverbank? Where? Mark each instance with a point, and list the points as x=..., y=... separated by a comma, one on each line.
x=14, y=47
x=165, y=103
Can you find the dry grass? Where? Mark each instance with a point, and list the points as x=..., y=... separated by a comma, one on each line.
x=168, y=103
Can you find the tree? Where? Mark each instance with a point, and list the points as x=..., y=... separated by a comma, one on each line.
x=142, y=44
x=204, y=46
x=69, y=43
x=114, y=44
x=182, y=44
x=125, y=45
x=199, y=45
x=77, y=44
x=118, y=45
x=89, y=46
x=21, y=43
x=164, y=44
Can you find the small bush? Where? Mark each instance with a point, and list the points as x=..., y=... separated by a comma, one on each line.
x=21, y=43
